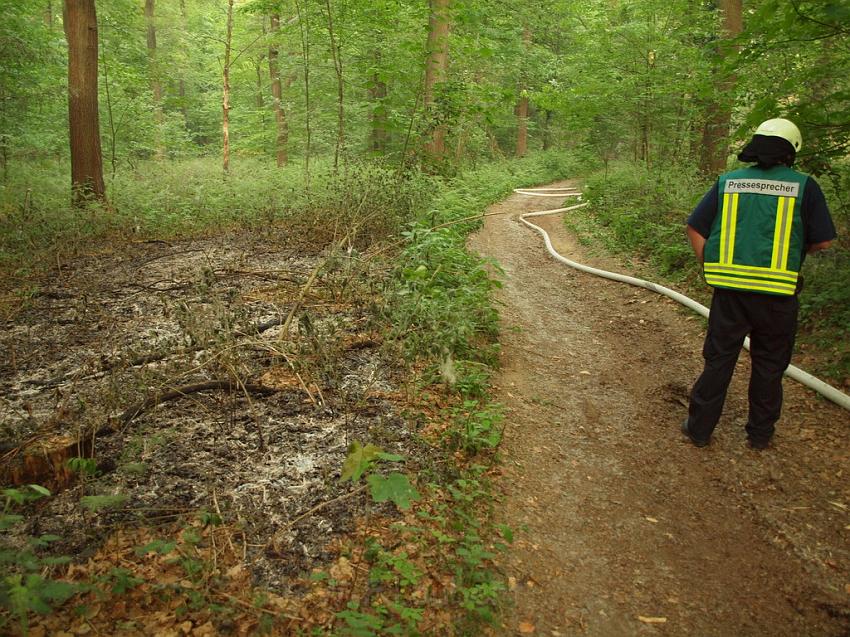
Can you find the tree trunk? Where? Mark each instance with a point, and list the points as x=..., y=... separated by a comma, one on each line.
x=225, y=103
x=436, y=70
x=378, y=117
x=277, y=94
x=522, y=105
x=156, y=85
x=48, y=14
x=340, y=87
x=80, y=22
x=547, y=130
x=181, y=82
x=304, y=30
x=719, y=112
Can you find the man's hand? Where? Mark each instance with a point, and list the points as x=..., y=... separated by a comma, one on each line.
x=697, y=243
x=817, y=247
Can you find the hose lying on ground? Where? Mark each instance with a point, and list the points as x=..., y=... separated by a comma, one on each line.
x=825, y=390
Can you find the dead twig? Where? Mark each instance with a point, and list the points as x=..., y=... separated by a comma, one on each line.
x=184, y=390
x=322, y=505
x=259, y=609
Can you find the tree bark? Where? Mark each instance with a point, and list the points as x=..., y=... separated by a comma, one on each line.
x=304, y=30
x=282, y=124
x=336, y=54
x=153, y=69
x=181, y=82
x=436, y=71
x=378, y=117
x=522, y=105
x=225, y=104
x=547, y=130
x=80, y=22
x=718, y=113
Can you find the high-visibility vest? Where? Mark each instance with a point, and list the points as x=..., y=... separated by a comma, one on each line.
x=756, y=242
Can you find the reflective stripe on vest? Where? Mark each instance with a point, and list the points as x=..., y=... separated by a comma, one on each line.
x=782, y=233
x=727, y=227
x=756, y=240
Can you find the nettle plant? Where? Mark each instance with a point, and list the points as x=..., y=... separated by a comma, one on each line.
x=28, y=586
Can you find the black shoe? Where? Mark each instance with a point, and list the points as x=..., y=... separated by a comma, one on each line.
x=758, y=444
x=687, y=432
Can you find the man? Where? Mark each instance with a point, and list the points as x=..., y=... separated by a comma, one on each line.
x=751, y=232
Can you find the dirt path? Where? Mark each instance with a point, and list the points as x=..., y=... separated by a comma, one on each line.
x=621, y=523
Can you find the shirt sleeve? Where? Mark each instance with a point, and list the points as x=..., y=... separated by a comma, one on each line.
x=702, y=218
x=817, y=222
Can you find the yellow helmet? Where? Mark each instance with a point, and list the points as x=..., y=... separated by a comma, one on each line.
x=786, y=129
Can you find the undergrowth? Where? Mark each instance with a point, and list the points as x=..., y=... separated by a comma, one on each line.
x=444, y=324
x=643, y=210
x=439, y=320
x=171, y=199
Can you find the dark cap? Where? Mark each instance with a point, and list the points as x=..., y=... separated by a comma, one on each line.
x=767, y=150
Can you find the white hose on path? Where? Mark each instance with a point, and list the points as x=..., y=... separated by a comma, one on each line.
x=825, y=390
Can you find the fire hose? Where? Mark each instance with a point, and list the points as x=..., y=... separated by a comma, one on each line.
x=822, y=388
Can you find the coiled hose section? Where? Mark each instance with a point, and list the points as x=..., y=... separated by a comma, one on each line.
x=825, y=390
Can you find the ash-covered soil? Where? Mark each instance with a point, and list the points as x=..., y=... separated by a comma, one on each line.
x=107, y=332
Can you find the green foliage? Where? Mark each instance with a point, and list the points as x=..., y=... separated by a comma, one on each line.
x=161, y=547
x=809, y=40
x=477, y=427
x=26, y=586
x=645, y=209
x=160, y=200
x=98, y=502
x=362, y=459
x=440, y=295
x=84, y=466
x=395, y=487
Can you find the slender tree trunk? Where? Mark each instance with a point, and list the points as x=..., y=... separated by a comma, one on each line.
x=181, y=82
x=378, y=117
x=547, y=130
x=258, y=67
x=522, y=104
x=48, y=14
x=282, y=140
x=436, y=71
x=719, y=112
x=304, y=30
x=225, y=104
x=522, y=126
x=80, y=21
x=4, y=138
x=113, y=131
x=643, y=118
x=153, y=69
x=337, y=60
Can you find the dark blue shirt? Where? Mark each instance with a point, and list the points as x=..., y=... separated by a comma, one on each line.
x=817, y=223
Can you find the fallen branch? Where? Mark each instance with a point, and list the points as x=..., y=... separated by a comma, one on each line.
x=322, y=505
x=178, y=392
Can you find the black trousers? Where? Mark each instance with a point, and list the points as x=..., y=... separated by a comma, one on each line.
x=771, y=322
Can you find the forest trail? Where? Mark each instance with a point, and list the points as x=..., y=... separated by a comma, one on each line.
x=622, y=527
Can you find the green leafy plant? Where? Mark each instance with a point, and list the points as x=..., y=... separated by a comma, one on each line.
x=83, y=466
x=27, y=587
x=395, y=487
x=477, y=426
x=98, y=502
